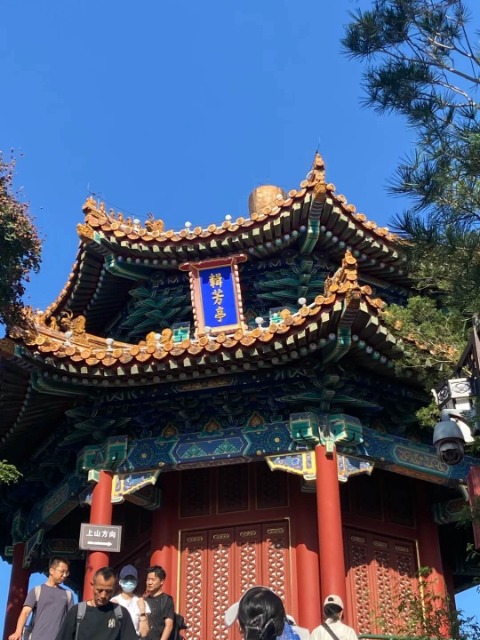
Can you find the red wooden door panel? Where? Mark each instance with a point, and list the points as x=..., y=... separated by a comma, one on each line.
x=192, y=593
x=276, y=560
x=218, y=565
x=380, y=572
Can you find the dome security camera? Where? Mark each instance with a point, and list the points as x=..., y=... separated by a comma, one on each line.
x=449, y=440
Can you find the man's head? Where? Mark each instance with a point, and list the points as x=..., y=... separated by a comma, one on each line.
x=103, y=584
x=58, y=570
x=333, y=607
x=155, y=578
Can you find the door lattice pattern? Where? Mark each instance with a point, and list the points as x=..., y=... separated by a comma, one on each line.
x=277, y=556
x=219, y=562
x=194, y=566
x=358, y=575
x=249, y=552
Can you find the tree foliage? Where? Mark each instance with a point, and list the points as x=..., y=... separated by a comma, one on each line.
x=20, y=247
x=422, y=64
x=9, y=474
x=432, y=339
x=423, y=614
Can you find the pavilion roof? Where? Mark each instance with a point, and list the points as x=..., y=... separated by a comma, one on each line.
x=69, y=352
x=109, y=242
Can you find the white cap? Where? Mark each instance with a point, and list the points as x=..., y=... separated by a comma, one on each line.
x=333, y=599
x=231, y=614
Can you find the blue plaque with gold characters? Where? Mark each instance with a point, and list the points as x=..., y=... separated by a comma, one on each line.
x=216, y=294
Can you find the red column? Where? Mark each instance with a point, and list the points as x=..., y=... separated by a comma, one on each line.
x=164, y=532
x=162, y=544
x=428, y=542
x=330, y=533
x=308, y=578
x=474, y=497
x=100, y=513
x=429, y=549
x=17, y=591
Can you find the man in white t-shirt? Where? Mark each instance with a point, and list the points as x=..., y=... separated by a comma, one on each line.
x=136, y=606
x=333, y=626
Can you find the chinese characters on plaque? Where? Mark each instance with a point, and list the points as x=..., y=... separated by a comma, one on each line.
x=94, y=537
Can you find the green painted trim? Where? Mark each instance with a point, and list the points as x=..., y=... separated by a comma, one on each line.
x=311, y=236
x=124, y=270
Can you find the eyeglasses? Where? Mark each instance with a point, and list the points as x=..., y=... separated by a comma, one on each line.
x=63, y=572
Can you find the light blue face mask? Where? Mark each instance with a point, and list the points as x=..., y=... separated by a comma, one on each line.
x=128, y=585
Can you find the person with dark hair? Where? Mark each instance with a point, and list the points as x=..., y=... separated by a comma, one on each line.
x=98, y=618
x=261, y=616
x=49, y=603
x=333, y=627
x=162, y=614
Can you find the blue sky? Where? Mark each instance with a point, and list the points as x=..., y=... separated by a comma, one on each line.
x=181, y=109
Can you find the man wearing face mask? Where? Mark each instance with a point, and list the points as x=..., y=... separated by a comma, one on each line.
x=136, y=606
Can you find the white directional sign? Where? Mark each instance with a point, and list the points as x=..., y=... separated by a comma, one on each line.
x=100, y=537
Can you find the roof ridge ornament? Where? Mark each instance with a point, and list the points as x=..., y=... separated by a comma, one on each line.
x=154, y=225
x=345, y=275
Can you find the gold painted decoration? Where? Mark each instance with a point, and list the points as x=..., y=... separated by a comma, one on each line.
x=128, y=483
x=303, y=463
x=154, y=225
x=69, y=323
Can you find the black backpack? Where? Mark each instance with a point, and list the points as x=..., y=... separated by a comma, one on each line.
x=158, y=612
x=179, y=625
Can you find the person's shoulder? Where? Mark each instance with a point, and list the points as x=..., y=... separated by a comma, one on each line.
x=302, y=632
x=32, y=596
x=347, y=631
x=317, y=633
x=352, y=633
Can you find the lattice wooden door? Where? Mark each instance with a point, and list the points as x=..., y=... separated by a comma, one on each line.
x=218, y=565
x=380, y=570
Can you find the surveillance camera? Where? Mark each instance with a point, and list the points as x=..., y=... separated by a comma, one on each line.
x=451, y=452
x=449, y=442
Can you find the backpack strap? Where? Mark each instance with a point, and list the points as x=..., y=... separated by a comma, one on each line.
x=118, y=612
x=81, y=610
x=329, y=630
x=37, y=591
